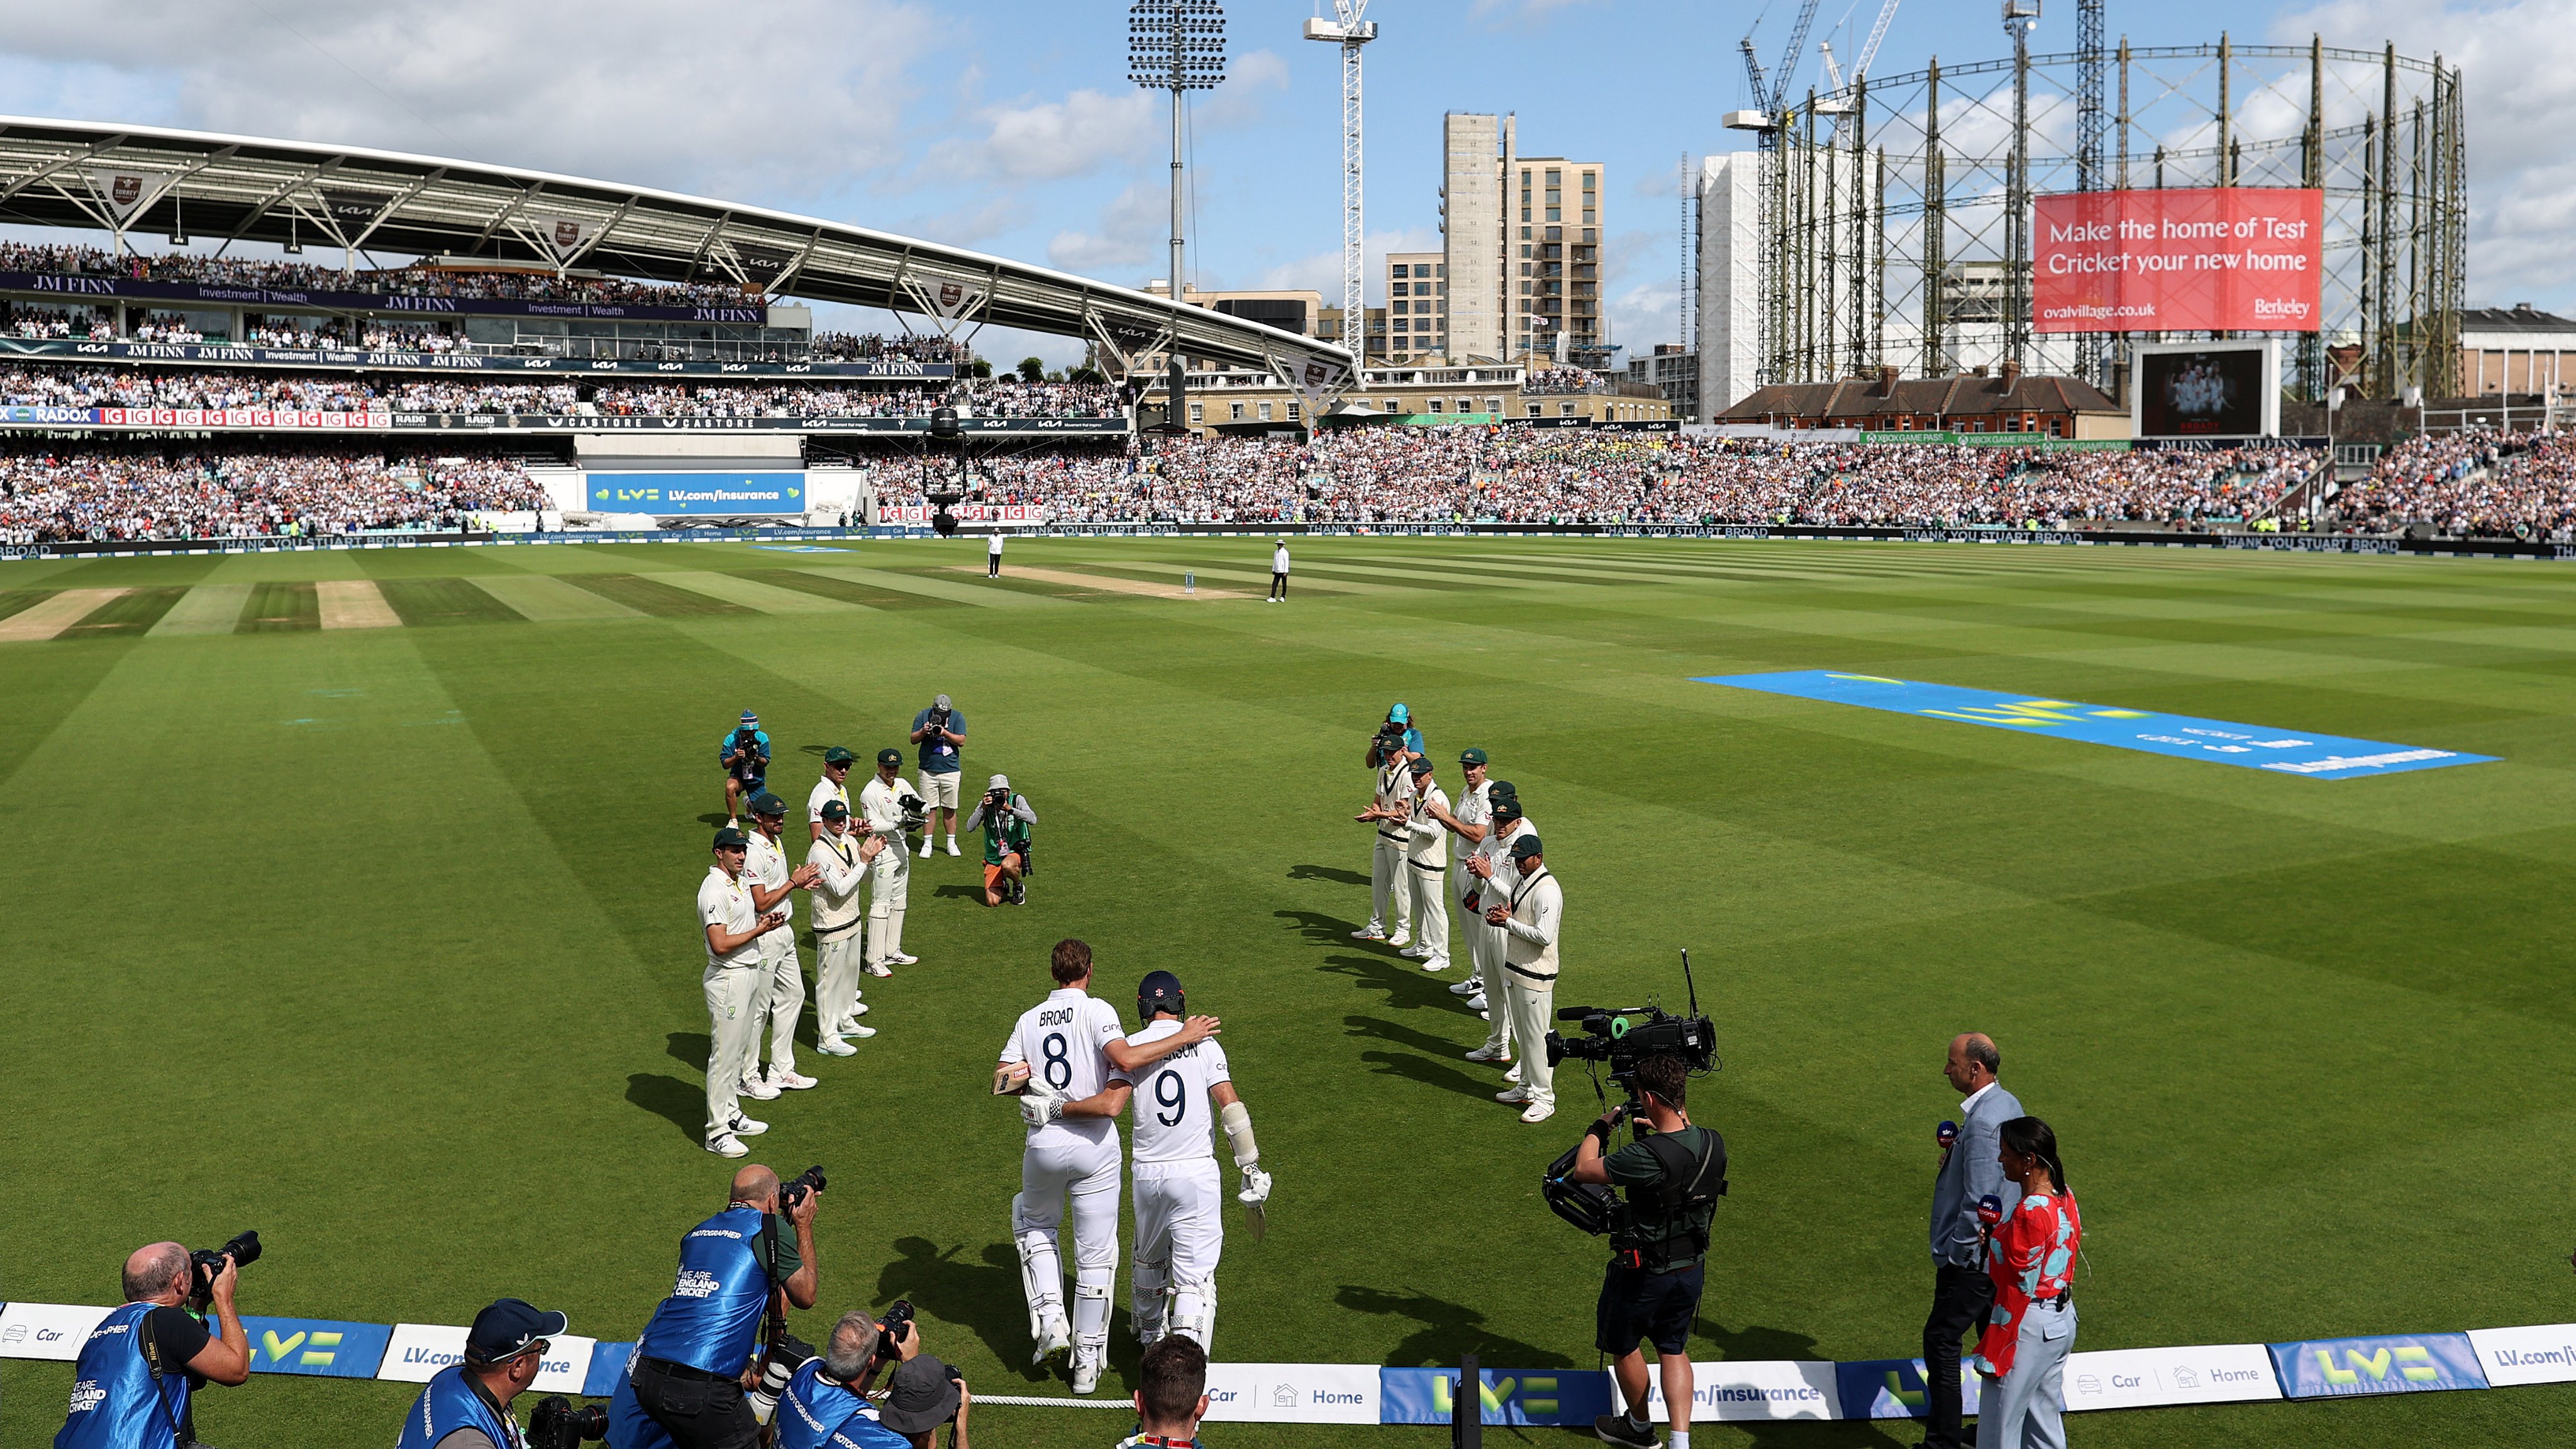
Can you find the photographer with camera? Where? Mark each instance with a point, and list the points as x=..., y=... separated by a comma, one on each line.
x=1391, y=752
x=889, y=809
x=924, y=1394
x=1673, y=1178
x=1006, y=819
x=137, y=1371
x=744, y=753
x=695, y=1361
x=941, y=732
x=826, y=1402
x=467, y=1405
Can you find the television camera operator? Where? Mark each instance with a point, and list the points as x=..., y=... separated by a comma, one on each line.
x=132, y=1385
x=695, y=1363
x=467, y=1405
x=1673, y=1177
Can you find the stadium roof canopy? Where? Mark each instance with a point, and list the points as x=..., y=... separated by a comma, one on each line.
x=209, y=186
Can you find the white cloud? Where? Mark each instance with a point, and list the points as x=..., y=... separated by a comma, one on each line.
x=1054, y=140
x=2520, y=85
x=1133, y=228
x=798, y=95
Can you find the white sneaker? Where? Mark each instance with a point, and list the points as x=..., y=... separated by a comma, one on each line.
x=1539, y=1112
x=791, y=1081
x=1413, y=953
x=759, y=1089
x=1513, y=1095
x=1514, y=1074
x=952, y=846
x=743, y=1126
x=1483, y=1015
x=859, y=1010
x=1371, y=932
x=861, y=1032
x=833, y=1046
x=1491, y=1053
x=1477, y=1004
x=725, y=1144
x=1468, y=987
x=1057, y=1338
x=925, y=847
x=1436, y=963
x=901, y=958
x=878, y=968
x=1400, y=939
x=1086, y=1368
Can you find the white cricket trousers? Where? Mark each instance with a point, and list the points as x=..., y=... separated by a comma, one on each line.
x=836, y=976
x=782, y=1001
x=1062, y=1162
x=1485, y=950
x=1387, y=888
x=889, y=881
x=733, y=1034
x=1532, y=1003
x=1429, y=887
x=1180, y=1232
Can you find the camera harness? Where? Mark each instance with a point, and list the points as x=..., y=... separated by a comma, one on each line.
x=1684, y=1189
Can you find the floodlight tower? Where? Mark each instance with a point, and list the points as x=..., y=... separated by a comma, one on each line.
x=2021, y=17
x=1347, y=30
x=1176, y=46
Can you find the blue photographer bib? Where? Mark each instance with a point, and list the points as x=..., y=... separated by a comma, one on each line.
x=712, y=1317
x=450, y=1404
x=815, y=1413
x=115, y=1402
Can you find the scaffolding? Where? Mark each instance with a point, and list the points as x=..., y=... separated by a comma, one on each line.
x=1896, y=215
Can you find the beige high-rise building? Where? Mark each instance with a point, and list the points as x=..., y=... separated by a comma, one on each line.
x=1523, y=245
x=1417, y=309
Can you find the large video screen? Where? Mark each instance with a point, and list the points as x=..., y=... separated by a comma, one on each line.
x=2215, y=394
x=2213, y=259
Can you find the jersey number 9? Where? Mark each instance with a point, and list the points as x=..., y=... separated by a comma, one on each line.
x=1173, y=1094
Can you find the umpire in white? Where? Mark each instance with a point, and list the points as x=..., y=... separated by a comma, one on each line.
x=733, y=983
x=1531, y=920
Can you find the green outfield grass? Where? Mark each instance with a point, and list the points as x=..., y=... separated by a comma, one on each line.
x=379, y=939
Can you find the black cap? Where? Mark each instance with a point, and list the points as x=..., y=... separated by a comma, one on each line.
x=1525, y=846
x=923, y=1397
x=508, y=1329
x=889, y=756
x=835, y=810
x=1159, y=991
x=837, y=756
x=730, y=839
x=765, y=804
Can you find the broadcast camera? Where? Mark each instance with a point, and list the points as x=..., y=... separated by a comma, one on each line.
x=206, y=1264
x=1609, y=1036
x=916, y=815
x=556, y=1424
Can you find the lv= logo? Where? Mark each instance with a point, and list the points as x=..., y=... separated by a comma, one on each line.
x=317, y=1356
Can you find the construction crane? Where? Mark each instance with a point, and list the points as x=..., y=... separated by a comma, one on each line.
x=1860, y=67
x=1771, y=91
x=1347, y=30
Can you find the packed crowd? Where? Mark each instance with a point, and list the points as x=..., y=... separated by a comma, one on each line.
x=873, y=347
x=49, y=492
x=1556, y=380
x=415, y=281
x=2479, y=483
x=348, y=392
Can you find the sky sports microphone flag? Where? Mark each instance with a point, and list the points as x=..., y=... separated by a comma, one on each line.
x=2208, y=259
x=697, y=493
x=2259, y=747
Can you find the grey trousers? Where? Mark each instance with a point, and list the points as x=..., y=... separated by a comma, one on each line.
x=2025, y=1409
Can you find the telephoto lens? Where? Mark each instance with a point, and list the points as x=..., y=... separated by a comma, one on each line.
x=556, y=1424
x=209, y=1262
x=792, y=1193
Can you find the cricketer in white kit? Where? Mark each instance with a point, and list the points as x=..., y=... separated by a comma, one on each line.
x=781, y=1002
x=881, y=812
x=842, y=859
x=1426, y=869
x=1389, y=807
x=731, y=929
x=1059, y=1059
x=1492, y=876
x=1471, y=823
x=1180, y=1200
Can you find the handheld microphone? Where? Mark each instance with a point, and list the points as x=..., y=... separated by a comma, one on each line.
x=1946, y=1133
x=1990, y=1211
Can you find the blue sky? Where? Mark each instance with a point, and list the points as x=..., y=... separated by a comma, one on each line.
x=1009, y=126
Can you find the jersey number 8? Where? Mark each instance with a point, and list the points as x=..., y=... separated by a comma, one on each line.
x=1059, y=1067
x=1174, y=1095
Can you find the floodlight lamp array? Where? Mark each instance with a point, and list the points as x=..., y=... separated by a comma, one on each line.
x=1176, y=45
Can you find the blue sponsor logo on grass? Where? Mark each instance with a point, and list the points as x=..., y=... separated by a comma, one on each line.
x=2287, y=752
x=2324, y=1368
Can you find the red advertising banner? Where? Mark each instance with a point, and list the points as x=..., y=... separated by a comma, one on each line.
x=2230, y=258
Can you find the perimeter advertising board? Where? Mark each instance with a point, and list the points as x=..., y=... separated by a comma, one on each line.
x=2209, y=259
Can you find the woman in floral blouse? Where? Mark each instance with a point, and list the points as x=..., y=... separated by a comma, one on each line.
x=2031, y=1257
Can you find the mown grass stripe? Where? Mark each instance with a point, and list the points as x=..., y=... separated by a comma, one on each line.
x=279, y=606
x=426, y=602
x=18, y=601
x=848, y=591
x=547, y=599
x=134, y=612
x=52, y=615
x=953, y=588
x=206, y=609
x=649, y=596
x=751, y=593
x=353, y=604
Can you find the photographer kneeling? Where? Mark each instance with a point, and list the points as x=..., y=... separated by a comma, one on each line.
x=825, y=1403
x=131, y=1387
x=1006, y=819
x=1658, y=1254
x=467, y=1405
x=695, y=1360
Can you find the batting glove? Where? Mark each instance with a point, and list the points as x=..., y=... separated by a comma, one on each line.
x=1256, y=1187
x=1038, y=1109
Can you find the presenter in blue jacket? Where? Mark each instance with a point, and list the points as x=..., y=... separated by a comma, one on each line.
x=467, y=1405
x=686, y=1385
x=130, y=1388
x=1970, y=1171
